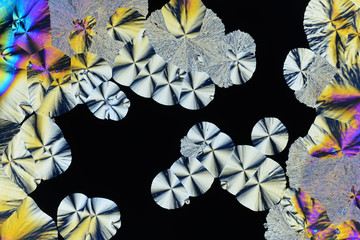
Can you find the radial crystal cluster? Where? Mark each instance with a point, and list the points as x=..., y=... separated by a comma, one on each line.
x=30, y=152
x=307, y=74
x=39, y=82
x=80, y=217
x=138, y=66
x=85, y=22
x=192, y=37
x=257, y=182
x=25, y=29
x=325, y=163
x=179, y=53
x=270, y=136
x=176, y=56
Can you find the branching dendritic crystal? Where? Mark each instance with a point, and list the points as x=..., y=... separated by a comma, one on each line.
x=319, y=75
x=104, y=45
x=125, y=24
x=138, y=66
x=181, y=54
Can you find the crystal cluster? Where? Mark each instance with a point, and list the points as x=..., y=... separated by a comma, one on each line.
x=38, y=83
x=255, y=180
x=192, y=37
x=80, y=217
x=324, y=164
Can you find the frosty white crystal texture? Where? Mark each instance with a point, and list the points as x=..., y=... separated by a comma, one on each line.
x=332, y=181
x=189, y=148
x=236, y=62
x=278, y=229
x=63, y=12
x=298, y=158
x=187, y=53
x=319, y=76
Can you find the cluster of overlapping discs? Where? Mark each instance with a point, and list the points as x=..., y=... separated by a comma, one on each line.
x=175, y=56
x=207, y=153
x=323, y=167
x=56, y=54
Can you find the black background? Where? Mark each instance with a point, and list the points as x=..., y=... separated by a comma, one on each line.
x=118, y=160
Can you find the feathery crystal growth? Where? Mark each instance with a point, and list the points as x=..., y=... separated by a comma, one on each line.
x=189, y=148
x=64, y=15
x=187, y=39
x=319, y=76
x=277, y=227
x=236, y=62
x=333, y=181
x=299, y=215
x=298, y=159
x=81, y=37
x=338, y=190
